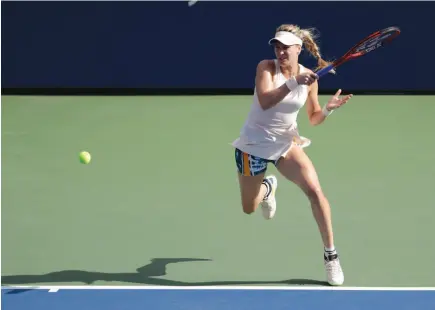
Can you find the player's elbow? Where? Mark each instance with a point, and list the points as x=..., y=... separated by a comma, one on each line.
x=313, y=120
x=264, y=103
x=264, y=106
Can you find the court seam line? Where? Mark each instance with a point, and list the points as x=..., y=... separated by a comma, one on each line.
x=276, y=288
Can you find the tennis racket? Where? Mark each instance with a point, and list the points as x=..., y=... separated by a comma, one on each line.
x=374, y=41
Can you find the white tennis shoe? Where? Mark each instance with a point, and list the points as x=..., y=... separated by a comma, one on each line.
x=268, y=205
x=334, y=272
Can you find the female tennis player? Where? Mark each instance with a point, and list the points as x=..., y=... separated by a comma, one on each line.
x=270, y=135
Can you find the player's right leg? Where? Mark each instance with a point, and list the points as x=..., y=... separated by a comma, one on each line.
x=255, y=189
x=297, y=167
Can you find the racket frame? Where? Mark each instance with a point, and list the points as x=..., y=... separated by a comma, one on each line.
x=354, y=51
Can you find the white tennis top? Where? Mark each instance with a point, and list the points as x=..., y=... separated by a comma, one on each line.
x=269, y=133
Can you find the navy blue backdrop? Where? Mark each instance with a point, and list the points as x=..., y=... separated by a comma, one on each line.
x=209, y=45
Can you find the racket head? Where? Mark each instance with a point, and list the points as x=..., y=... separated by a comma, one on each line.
x=372, y=42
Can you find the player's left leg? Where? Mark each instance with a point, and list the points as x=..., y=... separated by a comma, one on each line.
x=297, y=167
x=256, y=188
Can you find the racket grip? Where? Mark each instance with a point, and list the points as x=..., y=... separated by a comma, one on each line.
x=324, y=71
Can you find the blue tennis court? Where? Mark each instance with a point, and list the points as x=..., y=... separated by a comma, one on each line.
x=217, y=299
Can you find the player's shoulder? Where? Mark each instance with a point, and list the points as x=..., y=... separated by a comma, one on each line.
x=266, y=65
x=304, y=69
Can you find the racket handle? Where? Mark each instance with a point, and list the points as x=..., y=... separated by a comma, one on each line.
x=324, y=71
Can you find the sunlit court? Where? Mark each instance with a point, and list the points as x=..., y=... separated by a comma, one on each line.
x=119, y=177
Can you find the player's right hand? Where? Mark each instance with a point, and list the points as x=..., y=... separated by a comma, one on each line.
x=306, y=78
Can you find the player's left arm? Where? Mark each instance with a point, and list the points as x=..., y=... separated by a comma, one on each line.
x=314, y=110
x=317, y=114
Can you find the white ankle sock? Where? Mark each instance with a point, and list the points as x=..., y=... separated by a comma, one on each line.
x=330, y=251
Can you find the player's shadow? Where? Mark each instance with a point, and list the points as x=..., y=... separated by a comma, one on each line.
x=143, y=275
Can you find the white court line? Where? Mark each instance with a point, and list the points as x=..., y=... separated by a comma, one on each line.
x=276, y=288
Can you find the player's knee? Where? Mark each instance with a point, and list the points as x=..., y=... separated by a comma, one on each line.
x=315, y=195
x=248, y=207
x=249, y=204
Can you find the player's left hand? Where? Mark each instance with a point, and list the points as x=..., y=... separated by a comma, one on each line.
x=335, y=102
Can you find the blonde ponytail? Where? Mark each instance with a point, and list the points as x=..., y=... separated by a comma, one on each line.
x=308, y=36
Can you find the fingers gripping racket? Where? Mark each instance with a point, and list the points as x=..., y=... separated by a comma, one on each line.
x=374, y=41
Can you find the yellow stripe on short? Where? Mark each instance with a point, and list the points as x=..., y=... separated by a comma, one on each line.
x=246, y=168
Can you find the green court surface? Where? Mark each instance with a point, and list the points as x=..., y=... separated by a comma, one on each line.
x=159, y=203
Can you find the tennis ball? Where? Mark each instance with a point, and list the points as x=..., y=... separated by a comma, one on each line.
x=85, y=157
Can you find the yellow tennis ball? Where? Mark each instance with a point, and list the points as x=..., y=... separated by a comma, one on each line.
x=85, y=157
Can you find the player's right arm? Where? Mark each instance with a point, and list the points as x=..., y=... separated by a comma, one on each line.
x=268, y=96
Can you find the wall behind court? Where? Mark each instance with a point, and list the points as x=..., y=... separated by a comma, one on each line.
x=209, y=45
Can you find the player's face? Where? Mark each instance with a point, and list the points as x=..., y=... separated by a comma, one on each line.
x=287, y=55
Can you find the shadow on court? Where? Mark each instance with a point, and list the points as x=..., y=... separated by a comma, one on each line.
x=143, y=275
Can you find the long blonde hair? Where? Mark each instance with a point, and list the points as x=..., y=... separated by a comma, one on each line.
x=308, y=37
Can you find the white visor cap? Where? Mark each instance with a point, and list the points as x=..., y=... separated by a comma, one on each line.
x=286, y=38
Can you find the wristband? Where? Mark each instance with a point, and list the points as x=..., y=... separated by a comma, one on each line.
x=326, y=112
x=291, y=83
